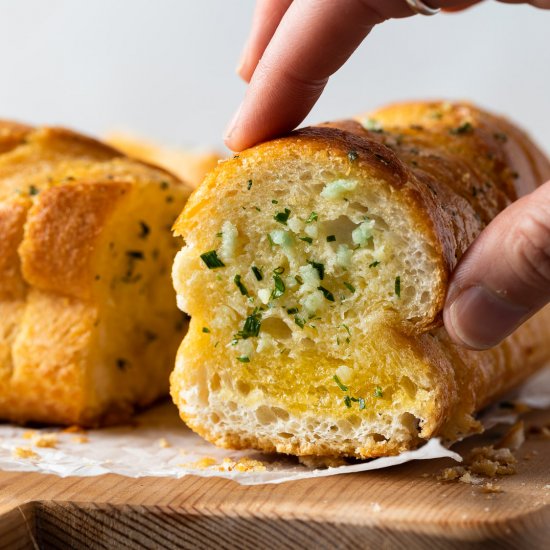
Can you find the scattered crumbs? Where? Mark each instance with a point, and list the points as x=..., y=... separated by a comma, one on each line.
x=491, y=488
x=24, y=452
x=469, y=478
x=201, y=464
x=74, y=429
x=29, y=434
x=489, y=461
x=321, y=462
x=80, y=439
x=242, y=465
x=47, y=440
x=450, y=474
x=481, y=461
x=163, y=443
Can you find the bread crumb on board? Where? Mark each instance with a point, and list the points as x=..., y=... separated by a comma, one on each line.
x=24, y=452
x=488, y=461
x=491, y=488
x=163, y=443
x=80, y=439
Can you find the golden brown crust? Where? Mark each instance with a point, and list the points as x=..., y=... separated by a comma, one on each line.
x=62, y=228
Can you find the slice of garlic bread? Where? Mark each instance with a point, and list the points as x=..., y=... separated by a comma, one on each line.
x=88, y=323
x=315, y=269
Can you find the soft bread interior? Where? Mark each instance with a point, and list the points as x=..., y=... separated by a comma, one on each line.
x=294, y=305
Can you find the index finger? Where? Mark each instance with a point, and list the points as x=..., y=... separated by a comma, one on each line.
x=314, y=38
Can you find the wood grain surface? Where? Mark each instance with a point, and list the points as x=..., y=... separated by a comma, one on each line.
x=401, y=507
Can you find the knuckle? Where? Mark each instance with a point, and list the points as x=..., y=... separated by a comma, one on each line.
x=532, y=248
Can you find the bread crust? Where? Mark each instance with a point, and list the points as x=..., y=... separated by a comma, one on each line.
x=452, y=168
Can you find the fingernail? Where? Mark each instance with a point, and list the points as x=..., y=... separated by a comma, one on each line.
x=481, y=318
x=232, y=125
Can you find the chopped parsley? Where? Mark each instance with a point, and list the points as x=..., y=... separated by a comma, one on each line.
x=279, y=289
x=164, y=185
x=292, y=310
x=350, y=287
x=352, y=156
x=374, y=264
x=397, y=286
x=339, y=383
x=144, y=230
x=257, y=273
x=211, y=260
x=326, y=293
x=500, y=136
x=464, y=128
x=312, y=217
x=378, y=392
x=319, y=267
x=206, y=330
x=299, y=279
x=282, y=217
x=33, y=190
x=249, y=184
x=331, y=238
x=299, y=321
x=251, y=327
x=274, y=201
x=306, y=239
x=240, y=286
x=279, y=270
x=243, y=359
x=347, y=401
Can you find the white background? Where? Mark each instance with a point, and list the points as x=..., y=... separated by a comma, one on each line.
x=166, y=68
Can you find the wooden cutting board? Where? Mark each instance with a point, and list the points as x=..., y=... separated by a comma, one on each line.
x=401, y=507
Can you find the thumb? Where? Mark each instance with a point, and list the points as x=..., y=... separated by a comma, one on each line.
x=504, y=277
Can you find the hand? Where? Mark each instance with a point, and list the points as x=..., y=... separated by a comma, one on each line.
x=293, y=49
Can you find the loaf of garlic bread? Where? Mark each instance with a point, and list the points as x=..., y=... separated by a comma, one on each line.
x=88, y=322
x=315, y=268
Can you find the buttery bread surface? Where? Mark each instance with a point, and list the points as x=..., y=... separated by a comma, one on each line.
x=88, y=324
x=315, y=269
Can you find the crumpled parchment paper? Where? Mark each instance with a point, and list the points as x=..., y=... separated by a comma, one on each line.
x=158, y=444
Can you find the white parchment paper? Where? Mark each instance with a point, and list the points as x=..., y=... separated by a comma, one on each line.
x=158, y=444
